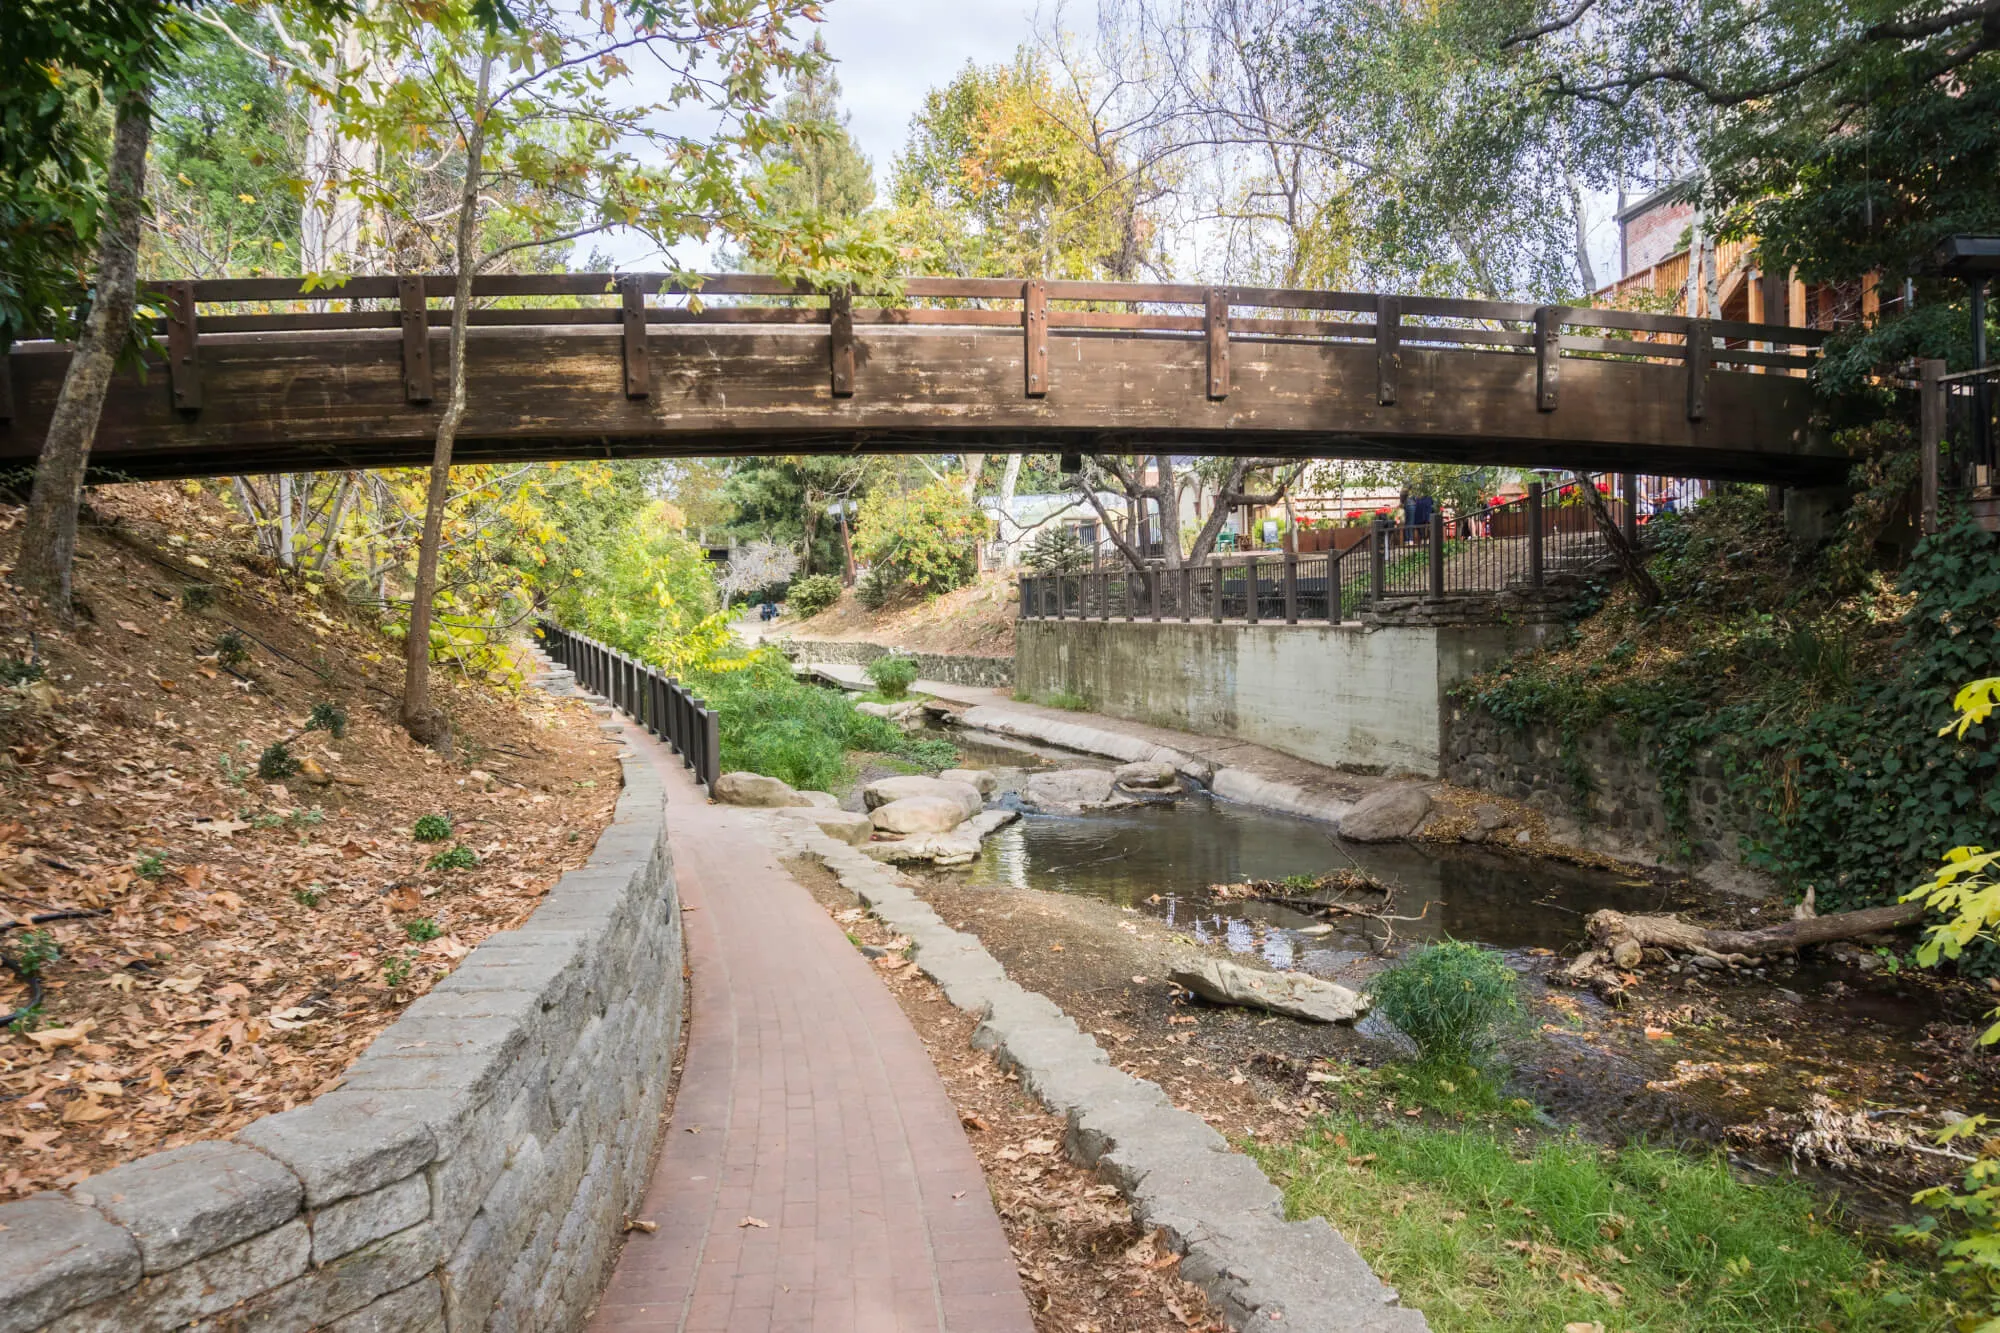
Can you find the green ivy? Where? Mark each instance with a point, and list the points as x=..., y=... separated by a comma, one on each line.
x=1839, y=770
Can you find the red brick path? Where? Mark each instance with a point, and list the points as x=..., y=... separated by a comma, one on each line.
x=808, y=1103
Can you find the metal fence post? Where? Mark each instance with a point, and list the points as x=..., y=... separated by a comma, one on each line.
x=1535, y=553
x=1023, y=597
x=1437, y=553
x=1251, y=591
x=1378, y=554
x=1292, y=588
x=711, y=746
x=1187, y=594
x=1931, y=410
x=1215, y=570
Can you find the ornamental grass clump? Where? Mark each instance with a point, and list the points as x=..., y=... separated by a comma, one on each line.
x=893, y=674
x=1452, y=999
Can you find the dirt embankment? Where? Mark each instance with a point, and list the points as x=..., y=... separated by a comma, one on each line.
x=234, y=938
x=976, y=620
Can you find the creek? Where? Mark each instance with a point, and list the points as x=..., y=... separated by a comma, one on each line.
x=1750, y=1060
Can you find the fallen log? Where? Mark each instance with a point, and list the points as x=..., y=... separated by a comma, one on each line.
x=1625, y=938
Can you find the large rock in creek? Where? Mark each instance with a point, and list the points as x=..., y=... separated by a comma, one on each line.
x=886, y=790
x=952, y=848
x=755, y=789
x=1071, y=791
x=1386, y=815
x=1149, y=774
x=976, y=778
x=1291, y=993
x=842, y=825
x=921, y=814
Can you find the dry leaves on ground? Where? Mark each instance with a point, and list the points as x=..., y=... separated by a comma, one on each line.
x=246, y=937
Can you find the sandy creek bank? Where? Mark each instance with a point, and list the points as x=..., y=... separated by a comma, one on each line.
x=1091, y=910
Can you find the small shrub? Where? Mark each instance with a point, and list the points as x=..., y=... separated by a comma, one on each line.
x=432, y=828
x=33, y=951
x=814, y=594
x=310, y=897
x=231, y=649
x=328, y=717
x=931, y=753
x=1069, y=701
x=396, y=969
x=459, y=857
x=276, y=763
x=26, y=1020
x=16, y=671
x=197, y=596
x=875, y=589
x=1450, y=999
x=150, y=866
x=422, y=929
x=312, y=818
x=233, y=773
x=893, y=674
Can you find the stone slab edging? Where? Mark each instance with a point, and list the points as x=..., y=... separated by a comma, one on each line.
x=474, y=1170
x=1231, y=784
x=1215, y=1206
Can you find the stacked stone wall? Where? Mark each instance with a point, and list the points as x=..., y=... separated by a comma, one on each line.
x=474, y=1171
x=951, y=668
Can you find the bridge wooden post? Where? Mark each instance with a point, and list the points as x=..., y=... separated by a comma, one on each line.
x=1388, y=348
x=840, y=340
x=1216, y=329
x=1548, y=355
x=1291, y=587
x=638, y=372
x=1035, y=336
x=1437, y=551
x=183, y=367
x=1700, y=352
x=1535, y=570
x=1931, y=411
x=416, y=339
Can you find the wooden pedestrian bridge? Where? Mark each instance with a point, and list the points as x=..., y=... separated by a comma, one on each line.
x=268, y=375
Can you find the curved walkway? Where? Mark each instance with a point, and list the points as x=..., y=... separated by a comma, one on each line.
x=807, y=1103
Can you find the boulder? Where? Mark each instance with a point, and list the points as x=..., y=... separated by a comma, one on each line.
x=1070, y=791
x=842, y=825
x=755, y=789
x=895, y=712
x=1489, y=816
x=976, y=778
x=1151, y=774
x=1291, y=993
x=920, y=814
x=886, y=790
x=952, y=848
x=826, y=800
x=1386, y=815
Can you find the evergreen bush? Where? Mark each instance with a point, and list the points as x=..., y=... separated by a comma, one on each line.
x=1451, y=999
x=814, y=594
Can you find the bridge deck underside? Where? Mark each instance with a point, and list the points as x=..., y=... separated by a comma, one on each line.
x=297, y=401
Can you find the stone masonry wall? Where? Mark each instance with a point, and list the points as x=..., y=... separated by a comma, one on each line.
x=951, y=668
x=1624, y=800
x=473, y=1172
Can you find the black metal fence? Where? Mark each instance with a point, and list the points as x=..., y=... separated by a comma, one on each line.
x=650, y=697
x=1520, y=544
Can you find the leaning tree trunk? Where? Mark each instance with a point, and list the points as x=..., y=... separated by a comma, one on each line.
x=48, y=535
x=425, y=723
x=1628, y=559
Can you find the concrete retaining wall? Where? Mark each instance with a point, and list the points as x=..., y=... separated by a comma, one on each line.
x=951, y=668
x=1345, y=696
x=474, y=1171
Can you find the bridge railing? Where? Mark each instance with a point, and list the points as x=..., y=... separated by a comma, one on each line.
x=650, y=697
x=1033, y=309
x=1516, y=545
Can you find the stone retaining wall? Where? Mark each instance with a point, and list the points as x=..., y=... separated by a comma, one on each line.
x=951, y=668
x=474, y=1171
x=1623, y=812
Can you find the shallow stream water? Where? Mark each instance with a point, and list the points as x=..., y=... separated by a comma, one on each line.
x=1694, y=1057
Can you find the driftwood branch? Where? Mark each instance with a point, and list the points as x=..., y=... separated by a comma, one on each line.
x=1623, y=938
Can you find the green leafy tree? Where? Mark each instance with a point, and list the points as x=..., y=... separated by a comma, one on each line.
x=922, y=543
x=817, y=171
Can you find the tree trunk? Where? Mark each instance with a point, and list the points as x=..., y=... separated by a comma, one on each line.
x=1010, y=481
x=1614, y=537
x=1170, y=509
x=1623, y=937
x=48, y=535
x=424, y=722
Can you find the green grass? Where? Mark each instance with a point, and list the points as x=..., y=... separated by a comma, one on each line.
x=1063, y=699
x=1488, y=1232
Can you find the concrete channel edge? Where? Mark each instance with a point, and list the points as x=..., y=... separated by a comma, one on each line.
x=473, y=1171
x=1214, y=1204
